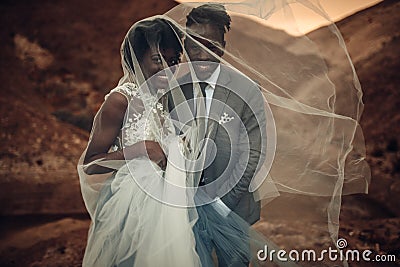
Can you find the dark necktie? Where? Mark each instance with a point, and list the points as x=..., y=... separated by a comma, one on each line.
x=203, y=86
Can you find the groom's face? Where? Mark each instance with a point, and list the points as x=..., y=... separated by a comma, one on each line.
x=213, y=40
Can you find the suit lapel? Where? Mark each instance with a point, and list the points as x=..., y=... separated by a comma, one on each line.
x=180, y=104
x=187, y=89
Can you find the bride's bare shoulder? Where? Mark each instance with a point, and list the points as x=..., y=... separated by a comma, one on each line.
x=115, y=105
x=119, y=97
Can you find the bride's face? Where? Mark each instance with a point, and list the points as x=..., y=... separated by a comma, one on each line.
x=152, y=64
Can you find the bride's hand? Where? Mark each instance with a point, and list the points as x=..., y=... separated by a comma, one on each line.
x=150, y=149
x=155, y=153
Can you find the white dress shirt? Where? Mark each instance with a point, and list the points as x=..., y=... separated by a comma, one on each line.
x=211, y=83
x=218, y=205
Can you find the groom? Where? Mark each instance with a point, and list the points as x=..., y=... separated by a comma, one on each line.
x=235, y=118
x=232, y=97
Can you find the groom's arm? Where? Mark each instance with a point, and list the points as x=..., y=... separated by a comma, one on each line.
x=251, y=152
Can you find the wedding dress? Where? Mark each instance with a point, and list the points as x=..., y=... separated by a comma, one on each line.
x=130, y=227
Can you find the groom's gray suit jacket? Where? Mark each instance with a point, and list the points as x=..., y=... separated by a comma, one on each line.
x=237, y=112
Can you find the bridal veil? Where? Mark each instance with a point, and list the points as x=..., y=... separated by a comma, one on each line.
x=314, y=151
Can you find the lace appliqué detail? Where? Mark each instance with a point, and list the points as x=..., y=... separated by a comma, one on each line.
x=146, y=119
x=150, y=122
x=135, y=129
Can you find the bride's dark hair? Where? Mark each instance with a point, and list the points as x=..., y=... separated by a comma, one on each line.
x=145, y=34
x=214, y=14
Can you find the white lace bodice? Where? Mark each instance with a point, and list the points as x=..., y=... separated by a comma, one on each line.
x=146, y=118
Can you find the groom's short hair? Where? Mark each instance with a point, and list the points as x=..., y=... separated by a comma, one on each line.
x=214, y=14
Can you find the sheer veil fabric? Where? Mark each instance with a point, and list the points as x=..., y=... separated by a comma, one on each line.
x=313, y=149
x=311, y=87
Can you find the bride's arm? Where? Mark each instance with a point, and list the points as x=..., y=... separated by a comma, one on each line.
x=105, y=130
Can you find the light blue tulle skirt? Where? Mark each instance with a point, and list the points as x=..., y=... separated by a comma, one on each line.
x=130, y=228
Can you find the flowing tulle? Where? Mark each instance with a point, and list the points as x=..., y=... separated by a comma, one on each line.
x=233, y=240
x=131, y=228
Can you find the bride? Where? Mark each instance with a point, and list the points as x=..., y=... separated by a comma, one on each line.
x=126, y=159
